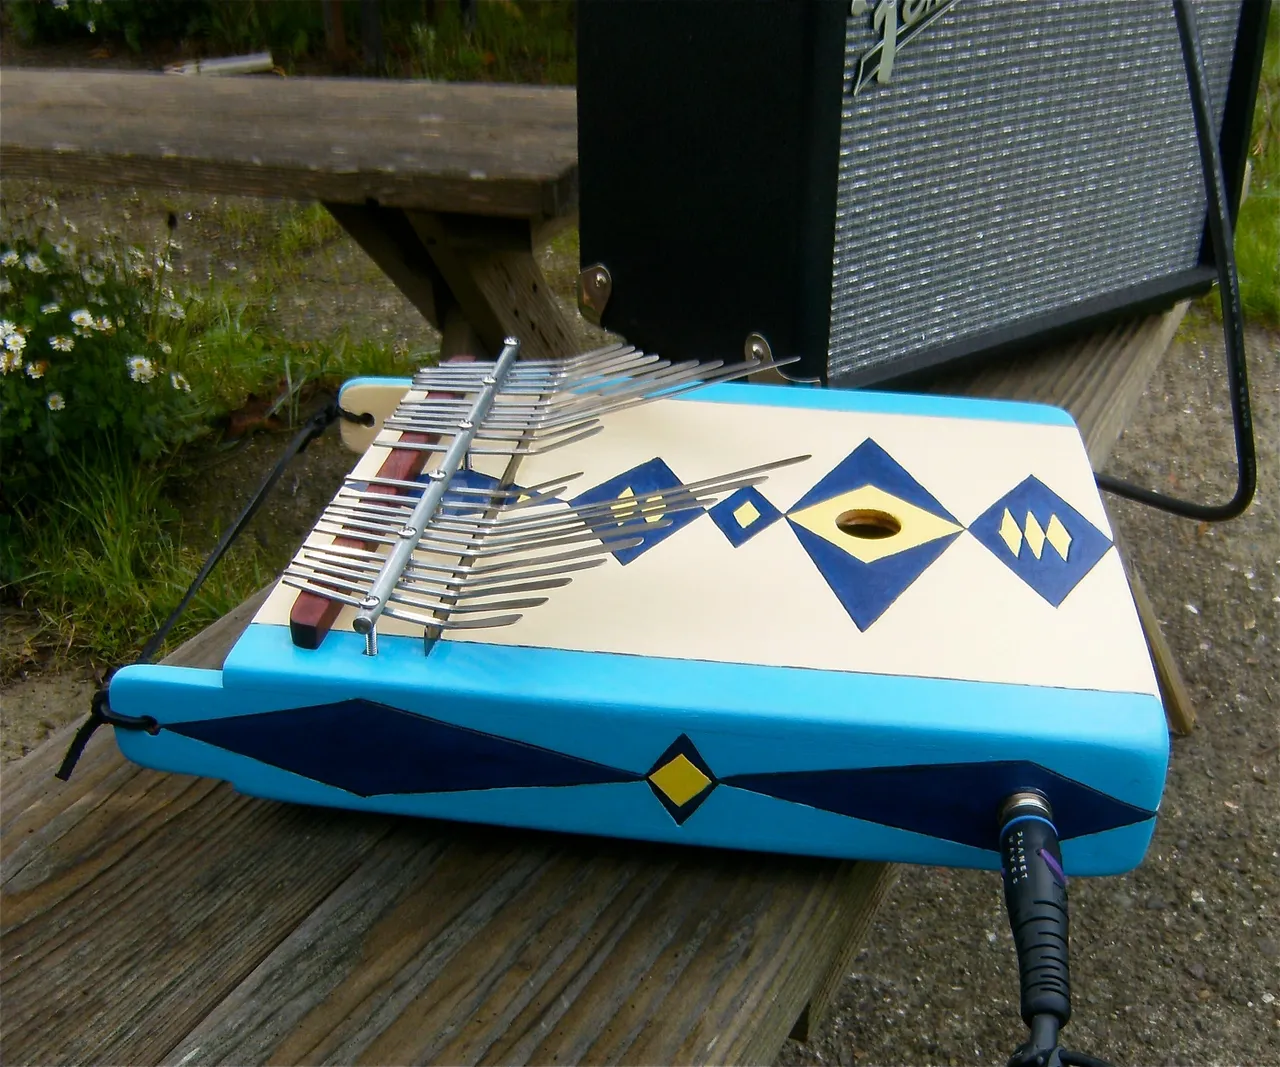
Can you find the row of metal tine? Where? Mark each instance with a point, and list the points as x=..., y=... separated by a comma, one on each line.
x=448, y=556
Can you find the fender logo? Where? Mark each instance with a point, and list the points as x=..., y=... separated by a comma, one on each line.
x=899, y=22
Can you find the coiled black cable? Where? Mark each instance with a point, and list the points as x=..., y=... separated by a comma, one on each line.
x=1220, y=234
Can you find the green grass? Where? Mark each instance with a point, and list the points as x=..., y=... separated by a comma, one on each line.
x=106, y=573
x=1258, y=227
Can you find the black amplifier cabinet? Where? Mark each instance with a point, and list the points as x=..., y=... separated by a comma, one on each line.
x=886, y=185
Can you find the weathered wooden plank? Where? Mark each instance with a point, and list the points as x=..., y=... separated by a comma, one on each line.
x=457, y=945
x=476, y=149
x=131, y=902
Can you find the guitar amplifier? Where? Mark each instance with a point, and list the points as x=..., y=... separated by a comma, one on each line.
x=881, y=187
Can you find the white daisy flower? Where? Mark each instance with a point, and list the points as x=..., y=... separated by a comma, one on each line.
x=55, y=402
x=9, y=258
x=174, y=311
x=7, y=327
x=64, y=247
x=36, y=370
x=49, y=309
x=179, y=382
x=15, y=342
x=81, y=317
x=71, y=226
x=92, y=277
x=61, y=5
x=6, y=286
x=62, y=344
x=104, y=324
x=34, y=263
x=166, y=348
x=141, y=369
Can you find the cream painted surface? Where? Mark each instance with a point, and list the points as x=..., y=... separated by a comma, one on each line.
x=694, y=596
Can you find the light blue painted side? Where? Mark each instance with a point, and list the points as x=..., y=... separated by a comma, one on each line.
x=742, y=718
x=877, y=403
x=729, y=817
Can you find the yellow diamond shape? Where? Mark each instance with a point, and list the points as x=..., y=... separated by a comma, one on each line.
x=1035, y=535
x=746, y=513
x=1057, y=535
x=679, y=780
x=917, y=526
x=1010, y=533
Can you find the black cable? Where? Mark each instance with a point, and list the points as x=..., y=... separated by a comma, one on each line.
x=1220, y=234
x=100, y=709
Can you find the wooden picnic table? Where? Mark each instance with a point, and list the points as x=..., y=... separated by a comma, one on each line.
x=150, y=918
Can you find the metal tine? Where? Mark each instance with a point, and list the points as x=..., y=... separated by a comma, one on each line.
x=577, y=558
x=538, y=449
x=331, y=594
x=523, y=582
x=518, y=604
x=501, y=433
x=480, y=550
x=452, y=624
x=365, y=531
x=697, y=381
x=371, y=511
x=604, y=380
x=343, y=531
x=335, y=576
x=463, y=590
x=605, y=385
x=621, y=509
x=474, y=542
x=608, y=366
x=399, y=483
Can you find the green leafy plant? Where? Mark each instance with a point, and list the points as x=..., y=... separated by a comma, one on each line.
x=85, y=363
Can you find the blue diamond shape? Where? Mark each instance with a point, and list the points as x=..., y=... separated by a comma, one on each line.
x=865, y=590
x=1051, y=576
x=738, y=534
x=651, y=477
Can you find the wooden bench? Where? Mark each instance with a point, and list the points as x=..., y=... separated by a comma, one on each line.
x=448, y=188
x=148, y=918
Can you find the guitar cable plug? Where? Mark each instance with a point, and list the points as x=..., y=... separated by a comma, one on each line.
x=1035, y=896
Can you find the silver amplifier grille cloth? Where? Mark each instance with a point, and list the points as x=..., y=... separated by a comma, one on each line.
x=1024, y=156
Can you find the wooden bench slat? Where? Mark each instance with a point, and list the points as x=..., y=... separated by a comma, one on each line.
x=475, y=149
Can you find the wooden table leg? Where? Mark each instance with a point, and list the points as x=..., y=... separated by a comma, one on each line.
x=484, y=267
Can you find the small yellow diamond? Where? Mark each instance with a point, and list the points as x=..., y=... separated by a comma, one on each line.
x=679, y=780
x=1035, y=536
x=745, y=514
x=1010, y=533
x=1057, y=536
x=629, y=506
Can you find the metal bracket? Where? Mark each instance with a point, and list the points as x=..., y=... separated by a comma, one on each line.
x=595, y=286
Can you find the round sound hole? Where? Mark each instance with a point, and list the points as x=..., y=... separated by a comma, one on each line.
x=868, y=524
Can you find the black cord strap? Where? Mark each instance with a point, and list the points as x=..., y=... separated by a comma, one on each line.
x=1220, y=234
x=100, y=710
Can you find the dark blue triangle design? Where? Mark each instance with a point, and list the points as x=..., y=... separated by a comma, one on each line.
x=869, y=464
x=865, y=590
x=953, y=801
x=372, y=749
